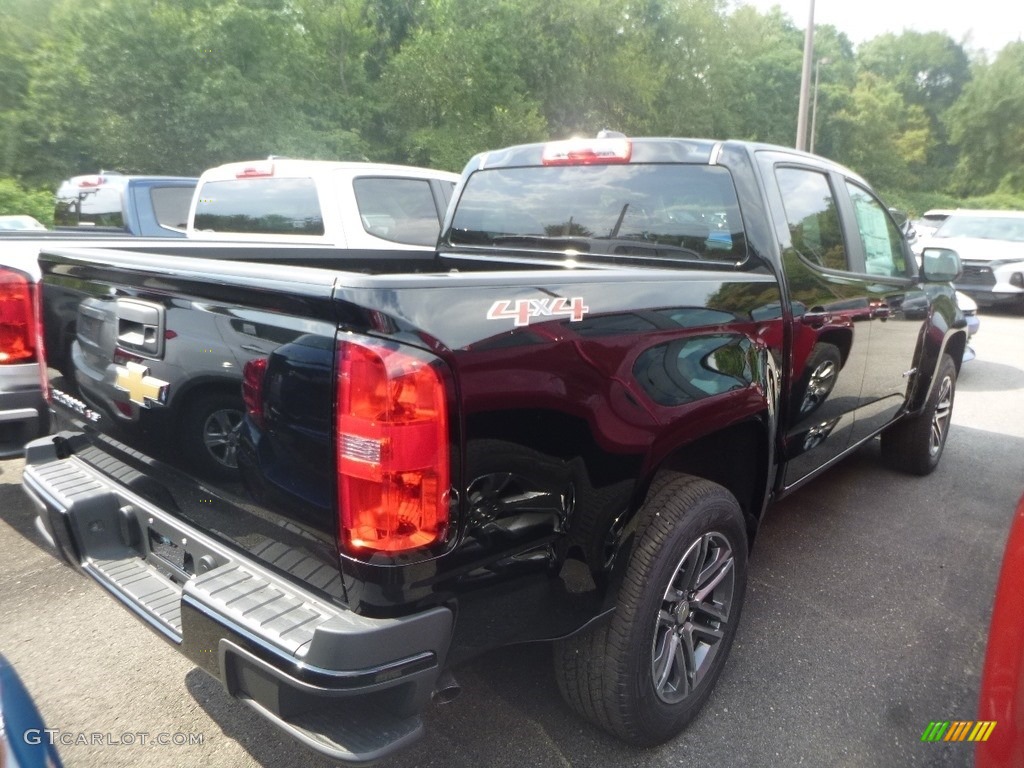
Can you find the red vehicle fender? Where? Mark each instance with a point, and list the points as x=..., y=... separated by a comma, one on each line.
x=1002, y=682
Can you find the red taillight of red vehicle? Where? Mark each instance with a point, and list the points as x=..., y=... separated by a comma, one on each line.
x=393, y=452
x=19, y=337
x=252, y=389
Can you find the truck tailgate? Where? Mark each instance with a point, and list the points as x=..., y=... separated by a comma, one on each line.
x=139, y=487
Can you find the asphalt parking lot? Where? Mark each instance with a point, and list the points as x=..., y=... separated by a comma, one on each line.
x=866, y=618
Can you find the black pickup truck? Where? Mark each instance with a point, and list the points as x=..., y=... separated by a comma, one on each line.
x=563, y=425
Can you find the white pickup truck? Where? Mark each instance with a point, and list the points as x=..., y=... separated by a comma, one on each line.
x=347, y=205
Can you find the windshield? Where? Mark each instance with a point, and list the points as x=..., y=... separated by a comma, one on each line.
x=987, y=227
x=665, y=211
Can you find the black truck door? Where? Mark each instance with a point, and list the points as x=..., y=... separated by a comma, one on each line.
x=830, y=304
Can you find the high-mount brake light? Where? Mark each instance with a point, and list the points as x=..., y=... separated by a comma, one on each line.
x=393, y=449
x=19, y=337
x=92, y=181
x=256, y=171
x=588, y=152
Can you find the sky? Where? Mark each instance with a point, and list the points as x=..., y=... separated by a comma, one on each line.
x=979, y=24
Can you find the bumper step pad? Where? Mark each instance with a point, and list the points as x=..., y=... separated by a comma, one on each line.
x=360, y=713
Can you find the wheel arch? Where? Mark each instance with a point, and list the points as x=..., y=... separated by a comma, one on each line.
x=840, y=338
x=954, y=344
x=725, y=457
x=205, y=385
x=736, y=457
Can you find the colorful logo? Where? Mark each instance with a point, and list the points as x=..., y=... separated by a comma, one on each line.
x=522, y=311
x=958, y=730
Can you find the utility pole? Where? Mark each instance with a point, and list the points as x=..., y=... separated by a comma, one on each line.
x=814, y=104
x=805, y=83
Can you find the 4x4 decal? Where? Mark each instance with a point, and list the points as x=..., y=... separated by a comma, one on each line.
x=521, y=311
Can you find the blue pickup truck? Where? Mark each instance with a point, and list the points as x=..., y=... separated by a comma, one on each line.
x=143, y=206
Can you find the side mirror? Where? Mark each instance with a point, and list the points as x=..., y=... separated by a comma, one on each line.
x=940, y=265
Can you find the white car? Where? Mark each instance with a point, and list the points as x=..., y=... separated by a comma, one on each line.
x=991, y=247
x=970, y=309
x=925, y=227
x=21, y=223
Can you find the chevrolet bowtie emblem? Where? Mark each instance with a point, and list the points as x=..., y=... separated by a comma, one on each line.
x=142, y=389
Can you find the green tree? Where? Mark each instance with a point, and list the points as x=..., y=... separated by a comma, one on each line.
x=22, y=25
x=930, y=71
x=15, y=199
x=173, y=87
x=761, y=81
x=456, y=89
x=987, y=126
x=880, y=136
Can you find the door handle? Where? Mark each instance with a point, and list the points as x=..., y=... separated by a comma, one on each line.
x=816, y=317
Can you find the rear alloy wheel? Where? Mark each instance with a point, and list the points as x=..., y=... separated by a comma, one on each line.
x=915, y=444
x=647, y=672
x=695, y=610
x=209, y=437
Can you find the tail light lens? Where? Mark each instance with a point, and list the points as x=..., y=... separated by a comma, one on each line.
x=19, y=338
x=393, y=452
x=252, y=389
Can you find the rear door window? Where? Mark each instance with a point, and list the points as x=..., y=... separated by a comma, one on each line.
x=398, y=209
x=269, y=206
x=170, y=205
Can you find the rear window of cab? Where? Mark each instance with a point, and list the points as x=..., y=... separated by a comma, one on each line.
x=96, y=206
x=671, y=210
x=279, y=206
x=400, y=210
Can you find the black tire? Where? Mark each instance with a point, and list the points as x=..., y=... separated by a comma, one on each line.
x=821, y=371
x=647, y=672
x=209, y=434
x=915, y=444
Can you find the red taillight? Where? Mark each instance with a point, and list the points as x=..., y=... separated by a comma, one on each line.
x=91, y=181
x=587, y=152
x=393, y=453
x=252, y=389
x=20, y=341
